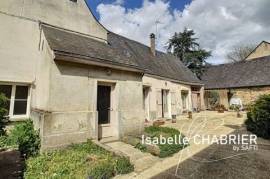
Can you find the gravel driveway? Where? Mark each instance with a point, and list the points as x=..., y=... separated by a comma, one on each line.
x=221, y=161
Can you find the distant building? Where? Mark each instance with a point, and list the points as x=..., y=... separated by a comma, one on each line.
x=262, y=50
x=245, y=80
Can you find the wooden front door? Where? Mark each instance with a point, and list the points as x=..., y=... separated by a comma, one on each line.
x=104, y=104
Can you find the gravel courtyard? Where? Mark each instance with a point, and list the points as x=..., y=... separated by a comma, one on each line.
x=220, y=161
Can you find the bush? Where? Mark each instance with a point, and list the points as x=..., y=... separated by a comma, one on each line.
x=213, y=98
x=26, y=137
x=3, y=113
x=235, y=107
x=3, y=142
x=166, y=149
x=220, y=108
x=258, y=117
x=141, y=147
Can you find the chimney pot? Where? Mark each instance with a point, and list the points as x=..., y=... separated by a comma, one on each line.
x=153, y=43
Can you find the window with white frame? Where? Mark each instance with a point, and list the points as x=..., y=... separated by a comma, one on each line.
x=18, y=99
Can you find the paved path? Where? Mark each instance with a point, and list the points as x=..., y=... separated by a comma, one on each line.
x=141, y=161
x=211, y=123
x=221, y=161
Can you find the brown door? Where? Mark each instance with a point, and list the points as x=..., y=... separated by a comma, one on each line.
x=104, y=104
x=164, y=94
x=159, y=104
x=194, y=100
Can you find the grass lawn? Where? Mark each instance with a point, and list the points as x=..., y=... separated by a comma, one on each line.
x=166, y=149
x=6, y=143
x=77, y=161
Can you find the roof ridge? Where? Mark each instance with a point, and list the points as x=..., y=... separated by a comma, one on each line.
x=242, y=61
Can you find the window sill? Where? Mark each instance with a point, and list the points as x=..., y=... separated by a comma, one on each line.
x=105, y=125
x=18, y=118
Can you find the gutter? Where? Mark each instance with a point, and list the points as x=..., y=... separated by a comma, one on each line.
x=174, y=80
x=239, y=87
x=87, y=60
x=68, y=57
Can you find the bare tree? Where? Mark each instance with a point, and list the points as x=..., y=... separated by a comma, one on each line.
x=240, y=52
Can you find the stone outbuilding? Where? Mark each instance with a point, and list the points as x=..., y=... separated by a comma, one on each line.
x=76, y=80
x=246, y=80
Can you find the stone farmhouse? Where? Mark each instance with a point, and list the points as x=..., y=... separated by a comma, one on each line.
x=76, y=80
x=246, y=79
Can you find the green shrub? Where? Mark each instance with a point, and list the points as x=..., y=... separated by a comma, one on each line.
x=258, y=117
x=123, y=166
x=235, y=107
x=213, y=98
x=141, y=147
x=3, y=142
x=3, y=113
x=26, y=137
x=166, y=149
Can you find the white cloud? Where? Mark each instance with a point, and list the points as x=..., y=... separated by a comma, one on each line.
x=220, y=25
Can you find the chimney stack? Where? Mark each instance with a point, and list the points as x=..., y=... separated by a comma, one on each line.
x=153, y=43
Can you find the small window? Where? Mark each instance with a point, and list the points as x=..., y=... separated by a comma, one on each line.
x=6, y=90
x=20, y=103
x=73, y=1
x=17, y=99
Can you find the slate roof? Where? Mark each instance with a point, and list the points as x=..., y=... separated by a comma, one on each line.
x=164, y=65
x=251, y=73
x=81, y=46
x=119, y=51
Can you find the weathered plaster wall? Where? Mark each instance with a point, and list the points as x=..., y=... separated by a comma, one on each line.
x=202, y=98
x=261, y=51
x=63, y=96
x=25, y=57
x=73, y=99
x=131, y=114
x=18, y=49
x=61, y=13
x=175, y=102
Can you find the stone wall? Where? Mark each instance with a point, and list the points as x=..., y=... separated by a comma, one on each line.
x=249, y=95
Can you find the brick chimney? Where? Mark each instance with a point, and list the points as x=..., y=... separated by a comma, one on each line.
x=153, y=43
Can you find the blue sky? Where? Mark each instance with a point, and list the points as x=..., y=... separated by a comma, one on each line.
x=131, y=4
x=220, y=25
